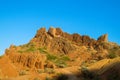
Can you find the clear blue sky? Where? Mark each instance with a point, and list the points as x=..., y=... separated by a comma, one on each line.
x=20, y=19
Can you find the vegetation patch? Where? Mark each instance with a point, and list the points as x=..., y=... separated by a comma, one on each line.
x=49, y=70
x=65, y=58
x=31, y=49
x=112, y=55
x=59, y=61
x=42, y=50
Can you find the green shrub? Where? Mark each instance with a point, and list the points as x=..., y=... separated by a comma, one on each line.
x=65, y=58
x=31, y=49
x=49, y=70
x=51, y=57
x=112, y=55
x=41, y=50
x=60, y=63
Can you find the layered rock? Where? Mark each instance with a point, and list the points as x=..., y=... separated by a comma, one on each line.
x=26, y=59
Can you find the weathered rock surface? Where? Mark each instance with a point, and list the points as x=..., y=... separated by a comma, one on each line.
x=58, y=42
x=61, y=42
x=53, y=40
x=26, y=59
x=103, y=38
x=54, y=49
x=52, y=31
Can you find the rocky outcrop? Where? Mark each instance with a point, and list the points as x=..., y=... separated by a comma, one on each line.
x=103, y=38
x=41, y=38
x=56, y=49
x=58, y=41
x=26, y=59
x=40, y=32
x=54, y=40
x=52, y=31
x=59, y=32
x=59, y=45
x=77, y=38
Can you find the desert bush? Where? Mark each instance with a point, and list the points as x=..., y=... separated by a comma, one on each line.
x=51, y=57
x=31, y=49
x=112, y=55
x=49, y=70
x=60, y=63
x=42, y=50
x=65, y=58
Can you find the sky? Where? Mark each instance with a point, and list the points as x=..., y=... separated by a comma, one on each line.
x=20, y=19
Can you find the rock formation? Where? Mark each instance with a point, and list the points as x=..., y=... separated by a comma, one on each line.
x=27, y=59
x=103, y=38
x=53, y=40
x=56, y=39
x=52, y=31
x=57, y=51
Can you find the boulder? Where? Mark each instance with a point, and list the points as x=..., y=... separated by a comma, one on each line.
x=52, y=31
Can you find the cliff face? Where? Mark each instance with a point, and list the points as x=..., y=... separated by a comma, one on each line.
x=26, y=59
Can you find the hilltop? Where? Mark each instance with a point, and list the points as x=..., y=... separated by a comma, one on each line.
x=58, y=55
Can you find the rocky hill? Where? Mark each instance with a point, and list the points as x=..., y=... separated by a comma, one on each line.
x=58, y=55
